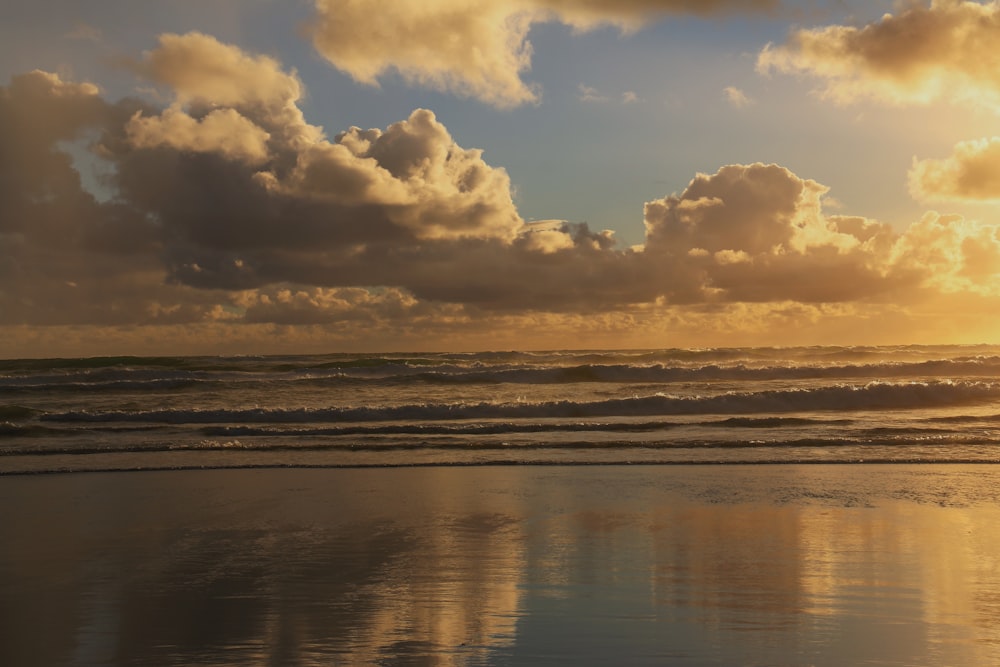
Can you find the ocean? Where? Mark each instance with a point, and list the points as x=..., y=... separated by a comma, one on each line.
x=848, y=405
x=503, y=508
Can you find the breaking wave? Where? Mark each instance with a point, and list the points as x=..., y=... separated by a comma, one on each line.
x=870, y=396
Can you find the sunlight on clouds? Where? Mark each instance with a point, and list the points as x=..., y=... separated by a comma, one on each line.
x=946, y=52
x=325, y=305
x=942, y=53
x=758, y=233
x=547, y=236
x=412, y=175
x=736, y=97
x=222, y=131
x=205, y=74
x=201, y=69
x=476, y=48
x=956, y=255
x=232, y=217
x=426, y=182
x=971, y=172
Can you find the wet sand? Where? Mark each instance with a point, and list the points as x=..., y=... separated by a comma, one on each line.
x=686, y=565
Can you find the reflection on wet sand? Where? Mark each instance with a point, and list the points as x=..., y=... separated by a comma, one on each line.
x=816, y=565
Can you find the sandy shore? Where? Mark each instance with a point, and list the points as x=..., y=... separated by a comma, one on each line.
x=782, y=565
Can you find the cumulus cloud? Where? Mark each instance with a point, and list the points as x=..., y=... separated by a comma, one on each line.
x=203, y=74
x=758, y=233
x=222, y=131
x=248, y=193
x=474, y=48
x=971, y=172
x=229, y=209
x=227, y=187
x=199, y=68
x=954, y=254
x=416, y=174
x=64, y=256
x=946, y=51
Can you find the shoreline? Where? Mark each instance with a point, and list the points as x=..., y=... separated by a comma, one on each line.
x=510, y=464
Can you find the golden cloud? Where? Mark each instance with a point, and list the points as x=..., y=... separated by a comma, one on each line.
x=223, y=215
x=946, y=51
x=222, y=131
x=971, y=172
x=473, y=48
x=200, y=69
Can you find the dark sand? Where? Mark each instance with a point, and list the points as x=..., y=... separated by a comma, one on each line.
x=688, y=565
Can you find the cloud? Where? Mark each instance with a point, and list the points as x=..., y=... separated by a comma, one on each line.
x=970, y=173
x=223, y=131
x=248, y=193
x=475, y=49
x=413, y=175
x=736, y=97
x=317, y=305
x=944, y=52
x=472, y=48
x=758, y=233
x=589, y=94
x=64, y=256
x=203, y=74
x=955, y=255
x=200, y=69
x=634, y=13
x=85, y=31
x=205, y=197
x=228, y=209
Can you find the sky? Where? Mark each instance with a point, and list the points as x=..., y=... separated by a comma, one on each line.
x=265, y=176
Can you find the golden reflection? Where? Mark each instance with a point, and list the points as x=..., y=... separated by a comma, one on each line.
x=820, y=566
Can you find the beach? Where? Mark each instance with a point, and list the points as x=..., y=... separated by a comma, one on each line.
x=503, y=565
x=545, y=332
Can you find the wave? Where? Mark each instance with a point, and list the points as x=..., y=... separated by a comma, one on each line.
x=9, y=430
x=659, y=373
x=499, y=428
x=9, y=413
x=871, y=396
x=465, y=429
x=122, y=380
x=623, y=446
x=500, y=463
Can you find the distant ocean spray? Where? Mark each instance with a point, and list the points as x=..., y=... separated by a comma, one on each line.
x=721, y=406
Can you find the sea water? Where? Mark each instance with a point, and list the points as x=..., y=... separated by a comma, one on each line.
x=857, y=405
x=493, y=509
